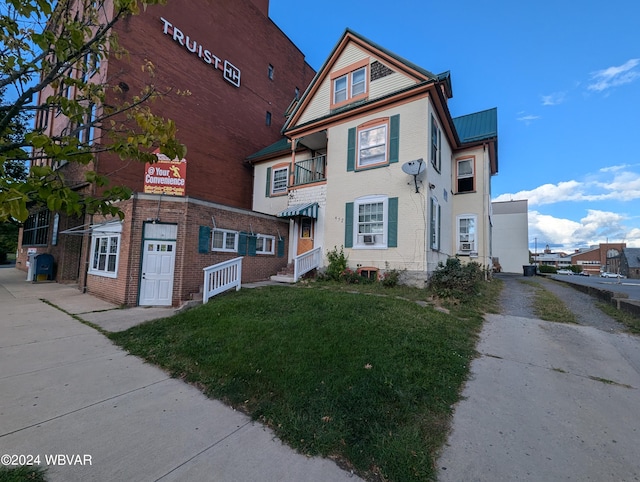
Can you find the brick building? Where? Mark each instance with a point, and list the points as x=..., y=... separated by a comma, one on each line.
x=240, y=73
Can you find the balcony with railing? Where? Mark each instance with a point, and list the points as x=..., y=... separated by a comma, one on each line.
x=310, y=170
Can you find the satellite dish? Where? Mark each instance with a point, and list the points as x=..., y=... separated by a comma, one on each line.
x=414, y=168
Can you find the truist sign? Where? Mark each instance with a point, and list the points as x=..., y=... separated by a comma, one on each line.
x=230, y=72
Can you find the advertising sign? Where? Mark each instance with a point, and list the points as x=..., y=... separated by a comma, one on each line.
x=167, y=176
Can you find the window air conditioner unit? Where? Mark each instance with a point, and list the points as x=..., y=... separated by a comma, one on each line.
x=369, y=238
x=465, y=246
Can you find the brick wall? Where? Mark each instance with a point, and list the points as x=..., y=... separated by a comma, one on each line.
x=188, y=215
x=219, y=123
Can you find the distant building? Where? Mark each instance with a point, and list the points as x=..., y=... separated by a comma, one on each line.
x=604, y=257
x=630, y=263
x=510, y=235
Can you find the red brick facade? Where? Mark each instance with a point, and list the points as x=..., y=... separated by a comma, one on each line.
x=220, y=124
x=220, y=120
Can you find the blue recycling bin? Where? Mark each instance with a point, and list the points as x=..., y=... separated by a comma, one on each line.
x=43, y=269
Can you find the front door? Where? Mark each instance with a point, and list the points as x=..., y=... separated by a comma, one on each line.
x=156, y=285
x=305, y=235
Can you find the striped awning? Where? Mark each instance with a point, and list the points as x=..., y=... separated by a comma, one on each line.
x=308, y=210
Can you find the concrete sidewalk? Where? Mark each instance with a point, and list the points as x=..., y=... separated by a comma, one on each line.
x=66, y=390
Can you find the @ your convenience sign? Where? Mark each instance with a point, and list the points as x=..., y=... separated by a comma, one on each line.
x=167, y=176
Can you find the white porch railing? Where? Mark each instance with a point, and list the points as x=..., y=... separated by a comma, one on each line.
x=221, y=277
x=306, y=262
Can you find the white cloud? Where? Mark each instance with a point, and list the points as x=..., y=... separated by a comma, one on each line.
x=623, y=186
x=567, y=235
x=554, y=98
x=614, y=76
x=528, y=118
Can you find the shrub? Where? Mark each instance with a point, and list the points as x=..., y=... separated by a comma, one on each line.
x=390, y=278
x=337, y=264
x=543, y=268
x=456, y=280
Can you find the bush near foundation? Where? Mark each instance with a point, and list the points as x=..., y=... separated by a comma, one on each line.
x=456, y=280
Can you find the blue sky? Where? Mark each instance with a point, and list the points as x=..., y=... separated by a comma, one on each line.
x=564, y=75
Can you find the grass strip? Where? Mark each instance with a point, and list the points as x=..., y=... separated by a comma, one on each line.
x=22, y=474
x=367, y=380
x=627, y=319
x=548, y=306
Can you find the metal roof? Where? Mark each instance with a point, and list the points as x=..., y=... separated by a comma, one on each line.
x=478, y=126
x=282, y=146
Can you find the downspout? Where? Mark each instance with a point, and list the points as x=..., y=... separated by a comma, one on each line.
x=485, y=204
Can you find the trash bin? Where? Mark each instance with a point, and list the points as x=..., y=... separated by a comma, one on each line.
x=529, y=270
x=43, y=269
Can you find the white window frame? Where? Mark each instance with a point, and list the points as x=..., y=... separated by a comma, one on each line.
x=344, y=91
x=467, y=237
x=354, y=83
x=470, y=160
x=279, y=189
x=105, y=234
x=385, y=160
x=434, y=225
x=226, y=234
x=260, y=248
x=380, y=238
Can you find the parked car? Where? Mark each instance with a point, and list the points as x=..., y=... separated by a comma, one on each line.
x=564, y=271
x=583, y=273
x=611, y=275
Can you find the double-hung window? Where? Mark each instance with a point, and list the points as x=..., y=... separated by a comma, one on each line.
x=436, y=145
x=224, y=240
x=467, y=234
x=465, y=175
x=349, y=84
x=434, y=224
x=372, y=146
x=105, y=249
x=376, y=143
x=277, y=180
x=280, y=177
x=371, y=222
x=265, y=244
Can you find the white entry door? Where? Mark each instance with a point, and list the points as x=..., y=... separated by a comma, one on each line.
x=156, y=286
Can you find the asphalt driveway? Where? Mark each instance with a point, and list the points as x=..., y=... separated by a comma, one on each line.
x=547, y=401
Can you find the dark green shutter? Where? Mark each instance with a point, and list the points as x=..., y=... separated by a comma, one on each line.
x=351, y=149
x=392, y=224
x=242, y=244
x=280, y=247
x=348, y=226
x=203, y=239
x=439, y=150
x=268, y=189
x=394, y=138
x=251, y=244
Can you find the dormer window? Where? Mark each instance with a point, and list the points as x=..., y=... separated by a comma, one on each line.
x=349, y=84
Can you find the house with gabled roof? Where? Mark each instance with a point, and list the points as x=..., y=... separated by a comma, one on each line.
x=372, y=161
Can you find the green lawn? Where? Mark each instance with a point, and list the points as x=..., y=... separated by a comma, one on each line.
x=366, y=378
x=22, y=474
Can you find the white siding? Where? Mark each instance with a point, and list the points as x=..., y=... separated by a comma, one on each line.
x=391, y=181
x=262, y=203
x=320, y=105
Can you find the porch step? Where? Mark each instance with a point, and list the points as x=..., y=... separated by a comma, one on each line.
x=280, y=278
